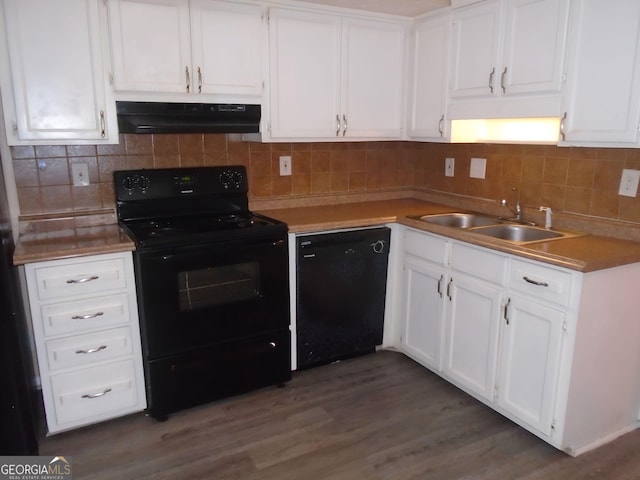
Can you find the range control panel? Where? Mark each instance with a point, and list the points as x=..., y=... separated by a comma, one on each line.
x=169, y=183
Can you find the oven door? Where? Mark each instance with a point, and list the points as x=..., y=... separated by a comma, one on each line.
x=196, y=296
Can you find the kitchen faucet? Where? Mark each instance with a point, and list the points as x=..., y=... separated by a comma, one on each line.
x=516, y=209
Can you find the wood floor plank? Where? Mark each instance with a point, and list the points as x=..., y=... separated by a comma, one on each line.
x=376, y=417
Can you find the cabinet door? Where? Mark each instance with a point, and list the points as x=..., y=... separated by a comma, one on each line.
x=423, y=311
x=530, y=358
x=535, y=32
x=472, y=336
x=372, y=79
x=602, y=101
x=56, y=71
x=150, y=41
x=304, y=74
x=429, y=78
x=475, y=39
x=226, y=42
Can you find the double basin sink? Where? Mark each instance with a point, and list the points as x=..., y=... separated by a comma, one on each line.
x=494, y=227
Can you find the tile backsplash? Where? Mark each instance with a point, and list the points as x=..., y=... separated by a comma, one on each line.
x=582, y=181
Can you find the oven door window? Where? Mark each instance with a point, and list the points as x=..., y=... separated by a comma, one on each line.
x=213, y=286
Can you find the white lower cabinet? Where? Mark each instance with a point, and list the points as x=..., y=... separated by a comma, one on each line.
x=555, y=350
x=472, y=334
x=424, y=311
x=87, y=337
x=530, y=359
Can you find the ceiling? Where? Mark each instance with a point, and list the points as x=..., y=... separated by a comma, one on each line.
x=408, y=8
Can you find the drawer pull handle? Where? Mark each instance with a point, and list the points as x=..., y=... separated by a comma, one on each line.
x=92, y=350
x=535, y=282
x=96, y=395
x=272, y=344
x=87, y=317
x=84, y=280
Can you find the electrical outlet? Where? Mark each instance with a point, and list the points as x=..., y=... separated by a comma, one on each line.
x=80, y=174
x=478, y=168
x=285, y=165
x=629, y=183
x=449, y=164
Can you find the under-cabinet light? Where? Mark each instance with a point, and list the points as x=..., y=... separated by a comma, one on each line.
x=506, y=130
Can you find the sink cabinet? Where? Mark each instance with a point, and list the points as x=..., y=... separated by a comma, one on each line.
x=555, y=350
x=474, y=295
x=451, y=314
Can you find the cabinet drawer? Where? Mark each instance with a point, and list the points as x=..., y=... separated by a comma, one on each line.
x=540, y=281
x=479, y=263
x=83, y=315
x=84, y=350
x=94, y=392
x=87, y=277
x=428, y=247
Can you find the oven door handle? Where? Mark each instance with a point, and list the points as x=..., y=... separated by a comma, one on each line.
x=270, y=244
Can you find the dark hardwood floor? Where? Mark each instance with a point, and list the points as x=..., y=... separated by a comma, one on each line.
x=380, y=416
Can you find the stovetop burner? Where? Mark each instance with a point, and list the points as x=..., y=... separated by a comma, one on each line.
x=178, y=206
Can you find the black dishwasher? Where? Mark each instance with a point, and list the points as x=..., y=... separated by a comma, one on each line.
x=341, y=286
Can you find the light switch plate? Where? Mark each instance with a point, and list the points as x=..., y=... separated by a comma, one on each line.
x=629, y=183
x=478, y=168
x=80, y=174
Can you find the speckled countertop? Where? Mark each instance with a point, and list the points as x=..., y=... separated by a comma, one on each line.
x=584, y=253
x=71, y=242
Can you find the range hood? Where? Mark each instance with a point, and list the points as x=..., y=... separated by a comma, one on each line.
x=159, y=117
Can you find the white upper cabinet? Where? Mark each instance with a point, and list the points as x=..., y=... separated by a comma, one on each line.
x=305, y=74
x=510, y=48
x=372, y=78
x=335, y=78
x=429, y=76
x=54, y=90
x=475, y=50
x=188, y=47
x=602, y=100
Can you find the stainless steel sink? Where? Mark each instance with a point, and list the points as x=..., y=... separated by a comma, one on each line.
x=519, y=233
x=460, y=220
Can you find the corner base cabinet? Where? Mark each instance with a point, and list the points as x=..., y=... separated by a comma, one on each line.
x=555, y=350
x=87, y=338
